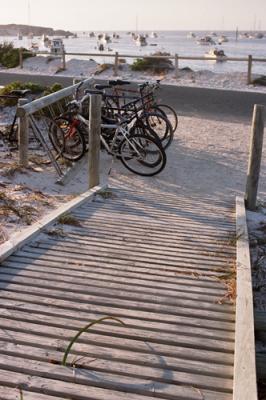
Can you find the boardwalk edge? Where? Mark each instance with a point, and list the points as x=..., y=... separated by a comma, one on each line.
x=245, y=386
x=19, y=239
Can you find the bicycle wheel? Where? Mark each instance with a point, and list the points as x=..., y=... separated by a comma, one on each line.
x=169, y=113
x=142, y=155
x=67, y=139
x=160, y=125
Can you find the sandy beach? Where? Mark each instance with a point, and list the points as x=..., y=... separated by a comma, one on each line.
x=205, y=78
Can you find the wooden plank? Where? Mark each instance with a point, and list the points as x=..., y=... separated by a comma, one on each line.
x=19, y=239
x=108, y=359
x=178, y=341
x=45, y=101
x=156, y=217
x=123, y=350
x=50, y=274
x=199, y=265
x=9, y=393
x=59, y=306
x=70, y=268
x=182, y=307
x=121, y=252
x=77, y=391
x=245, y=387
x=48, y=313
x=99, y=374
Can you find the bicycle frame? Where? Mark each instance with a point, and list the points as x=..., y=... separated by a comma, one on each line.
x=118, y=130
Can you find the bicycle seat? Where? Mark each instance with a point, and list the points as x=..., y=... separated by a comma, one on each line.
x=119, y=82
x=20, y=93
x=102, y=87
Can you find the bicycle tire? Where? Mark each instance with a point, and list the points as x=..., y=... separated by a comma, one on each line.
x=137, y=148
x=68, y=140
x=167, y=110
x=161, y=126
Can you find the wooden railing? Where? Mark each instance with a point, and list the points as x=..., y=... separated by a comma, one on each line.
x=25, y=111
x=176, y=58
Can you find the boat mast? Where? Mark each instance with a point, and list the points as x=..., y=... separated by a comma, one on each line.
x=236, y=33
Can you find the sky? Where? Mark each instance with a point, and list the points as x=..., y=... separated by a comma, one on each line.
x=79, y=15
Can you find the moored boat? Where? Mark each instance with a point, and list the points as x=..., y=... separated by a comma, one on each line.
x=141, y=40
x=206, y=41
x=216, y=54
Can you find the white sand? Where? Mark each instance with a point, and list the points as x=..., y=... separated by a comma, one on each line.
x=43, y=65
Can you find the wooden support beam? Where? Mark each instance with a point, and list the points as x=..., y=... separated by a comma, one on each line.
x=94, y=140
x=23, y=137
x=176, y=66
x=21, y=58
x=256, y=143
x=116, y=63
x=249, y=78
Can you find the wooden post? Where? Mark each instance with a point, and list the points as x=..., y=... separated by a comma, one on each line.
x=23, y=137
x=21, y=58
x=94, y=140
x=64, y=59
x=256, y=143
x=176, y=66
x=116, y=64
x=249, y=79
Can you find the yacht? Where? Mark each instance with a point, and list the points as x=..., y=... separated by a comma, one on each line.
x=141, y=40
x=191, y=35
x=206, y=41
x=216, y=54
x=223, y=39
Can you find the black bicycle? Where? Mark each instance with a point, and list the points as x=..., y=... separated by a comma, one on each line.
x=9, y=133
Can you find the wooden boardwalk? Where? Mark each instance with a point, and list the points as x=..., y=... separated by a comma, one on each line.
x=157, y=262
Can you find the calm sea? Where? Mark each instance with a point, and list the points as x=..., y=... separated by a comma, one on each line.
x=171, y=42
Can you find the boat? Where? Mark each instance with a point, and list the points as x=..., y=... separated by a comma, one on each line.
x=141, y=40
x=100, y=46
x=223, y=39
x=91, y=34
x=191, y=35
x=106, y=39
x=206, y=41
x=216, y=54
x=153, y=35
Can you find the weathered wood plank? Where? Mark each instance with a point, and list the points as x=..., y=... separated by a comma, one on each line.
x=158, y=272
x=78, y=391
x=245, y=387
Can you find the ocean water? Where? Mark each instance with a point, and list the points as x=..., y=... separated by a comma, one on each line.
x=171, y=42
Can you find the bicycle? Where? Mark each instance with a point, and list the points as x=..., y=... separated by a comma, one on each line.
x=10, y=132
x=153, y=116
x=146, y=93
x=141, y=154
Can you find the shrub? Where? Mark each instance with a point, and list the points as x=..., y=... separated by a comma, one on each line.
x=52, y=89
x=35, y=89
x=9, y=56
x=156, y=65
